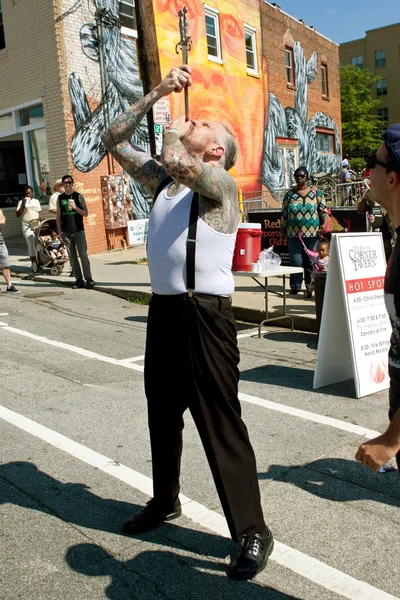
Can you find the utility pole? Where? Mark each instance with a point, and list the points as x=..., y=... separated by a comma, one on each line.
x=101, y=15
x=148, y=56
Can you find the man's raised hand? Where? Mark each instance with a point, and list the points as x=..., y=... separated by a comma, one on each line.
x=176, y=80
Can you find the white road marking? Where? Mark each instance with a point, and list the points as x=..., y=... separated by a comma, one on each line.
x=81, y=351
x=306, y=566
x=2, y=324
x=131, y=360
x=240, y=336
x=283, y=408
x=3, y=314
x=309, y=416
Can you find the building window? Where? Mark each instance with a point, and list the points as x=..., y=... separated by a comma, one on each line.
x=325, y=142
x=381, y=87
x=380, y=58
x=357, y=61
x=289, y=65
x=251, y=49
x=6, y=123
x=127, y=16
x=324, y=80
x=213, y=34
x=2, y=39
x=31, y=115
x=383, y=115
x=289, y=150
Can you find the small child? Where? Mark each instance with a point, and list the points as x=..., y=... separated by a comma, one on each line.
x=55, y=246
x=320, y=264
x=321, y=261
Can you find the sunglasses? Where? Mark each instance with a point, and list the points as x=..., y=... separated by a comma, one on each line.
x=66, y=183
x=372, y=161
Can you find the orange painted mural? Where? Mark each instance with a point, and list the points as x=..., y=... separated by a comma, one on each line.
x=222, y=90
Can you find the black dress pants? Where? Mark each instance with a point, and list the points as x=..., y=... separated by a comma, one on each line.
x=192, y=362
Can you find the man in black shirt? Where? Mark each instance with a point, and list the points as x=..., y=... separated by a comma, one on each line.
x=71, y=208
x=385, y=188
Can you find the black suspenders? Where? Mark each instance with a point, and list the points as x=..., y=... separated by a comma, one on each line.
x=191, y=239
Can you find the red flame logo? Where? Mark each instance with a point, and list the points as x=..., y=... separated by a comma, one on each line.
x=378, y=372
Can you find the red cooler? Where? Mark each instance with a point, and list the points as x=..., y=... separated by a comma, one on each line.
x=248, y=246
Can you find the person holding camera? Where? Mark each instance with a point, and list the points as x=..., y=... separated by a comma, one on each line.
x=71, y=209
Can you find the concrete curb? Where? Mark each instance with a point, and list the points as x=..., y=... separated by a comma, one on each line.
x=241, y=313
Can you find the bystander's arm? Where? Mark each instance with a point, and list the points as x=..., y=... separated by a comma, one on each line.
x=82, y=209
x=2, y=218
x=58, y=220
x=375, y=453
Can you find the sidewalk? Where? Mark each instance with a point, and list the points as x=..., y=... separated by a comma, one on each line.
x=115, y=274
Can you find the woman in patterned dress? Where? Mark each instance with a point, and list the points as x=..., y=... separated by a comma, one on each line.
x=304, y=212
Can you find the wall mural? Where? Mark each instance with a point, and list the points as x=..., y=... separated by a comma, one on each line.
x=259, y=158
x=124, y=88
x=292, y=123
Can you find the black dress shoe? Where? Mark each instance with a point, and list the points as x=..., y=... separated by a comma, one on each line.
x=79, y=284
x=150, y=517
x=253, y=555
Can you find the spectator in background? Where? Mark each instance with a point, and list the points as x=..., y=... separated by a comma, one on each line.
x=29, y=209
x=345, y=178
x=304, y=212
x=71, y=209
x=4, y=262
x=58, y=189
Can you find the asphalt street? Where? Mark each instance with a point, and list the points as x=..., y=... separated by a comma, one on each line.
x=75, y=463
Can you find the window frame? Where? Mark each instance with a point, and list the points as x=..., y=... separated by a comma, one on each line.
x=381, y=59
x=325, y=132
x=128, y=30
x=2, y=34
x=324, y=67
x=289, y=52
x=251, y=31
x=359, y=65
x=213, y=13
x=381, y=117
x=380, y=90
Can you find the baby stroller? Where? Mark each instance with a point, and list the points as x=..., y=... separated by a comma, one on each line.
x=43, y=254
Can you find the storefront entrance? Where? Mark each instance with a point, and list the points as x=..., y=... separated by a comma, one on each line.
x=13, y=176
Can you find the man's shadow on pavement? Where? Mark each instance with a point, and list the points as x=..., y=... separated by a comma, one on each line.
x=74, y=503
x=160, y=574
x=340, y=480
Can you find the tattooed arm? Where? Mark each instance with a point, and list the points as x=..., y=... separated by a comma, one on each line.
x=117, y=138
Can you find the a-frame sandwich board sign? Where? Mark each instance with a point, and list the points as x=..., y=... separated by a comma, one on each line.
x=355, y=328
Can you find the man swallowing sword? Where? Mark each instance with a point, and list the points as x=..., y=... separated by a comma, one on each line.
x=191, y=359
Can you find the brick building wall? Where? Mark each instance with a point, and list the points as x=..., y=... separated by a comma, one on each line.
x=299, y=110
x=281, y=30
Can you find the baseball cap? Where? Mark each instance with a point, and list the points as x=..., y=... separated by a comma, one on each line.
x=345, y=163
x=391, y=137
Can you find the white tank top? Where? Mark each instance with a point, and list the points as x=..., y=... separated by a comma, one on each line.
x=167, y=237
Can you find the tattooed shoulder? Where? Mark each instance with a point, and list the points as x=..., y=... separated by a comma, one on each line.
x=222, y=217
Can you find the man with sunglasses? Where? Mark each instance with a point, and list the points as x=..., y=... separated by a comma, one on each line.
x=385, y=189
x=71, y=208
